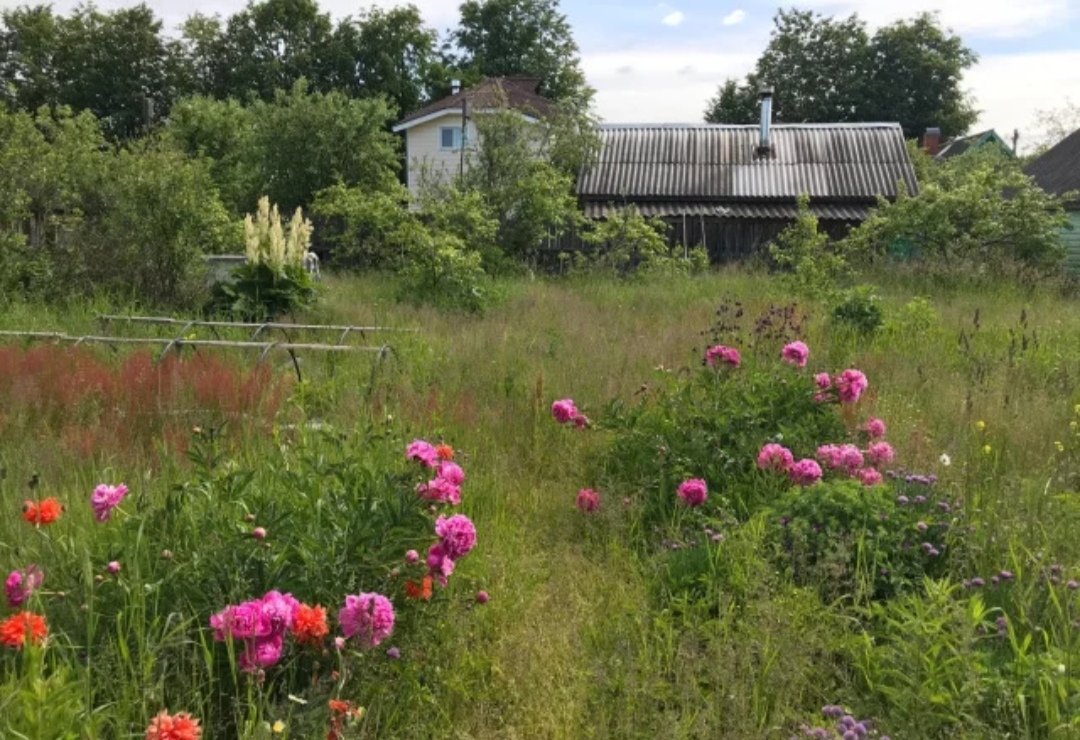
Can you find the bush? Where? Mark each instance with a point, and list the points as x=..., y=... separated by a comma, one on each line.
x=860, y=309
x=441, y=271
x=627, y=243
x=366, y=229
x=273, y=281
x=813, y=265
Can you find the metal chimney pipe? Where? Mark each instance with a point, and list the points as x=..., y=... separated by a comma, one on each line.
x=765, y=140
x=455, y=87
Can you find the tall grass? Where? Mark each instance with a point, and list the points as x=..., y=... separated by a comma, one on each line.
x=584, y=637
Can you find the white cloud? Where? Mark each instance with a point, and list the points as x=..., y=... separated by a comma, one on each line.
x=1011, y=88
x=660, y=85
x=674, y=18
x=735, y=17
x=997, y=18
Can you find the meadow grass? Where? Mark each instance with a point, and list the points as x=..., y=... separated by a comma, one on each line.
x=583, y=637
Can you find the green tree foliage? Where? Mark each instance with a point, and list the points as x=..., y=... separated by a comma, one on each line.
x=627, y=243
x=386, y=52
x=499, y=38
x=831, y=70
x=979, y=211
x=530, y=198
x=115, y=64
x=131, y=222
x=292, y=147
x=366, y=229
x=812, y=263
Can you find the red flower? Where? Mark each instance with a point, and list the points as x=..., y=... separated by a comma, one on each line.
x=179, y=726
x=444, y=451
x=309, y=626
x=18, y=628
x=41, y=512
x=421, y=591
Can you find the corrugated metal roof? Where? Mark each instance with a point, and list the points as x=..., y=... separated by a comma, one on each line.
x=1057, y=170
x=834, y=161
x=675, y=209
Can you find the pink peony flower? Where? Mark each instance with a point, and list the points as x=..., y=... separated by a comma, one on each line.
x=259, y=533
x=423, y=452
x=880, y=453
x=21, y=583
x=458, y=535
x=869, y=477
x=280, y=610
x=851, y=457
x=564, y=410
x=693, y=491
x=805, y=472
x=795, y=353
x=482, y=597
x=368, y=617
x=875, y=428
x=261, y=653
x=113, y=567
x=105, y=498
x=721, y=354
x=823, y=381
x=440, y=565
x=452, y=472
x=412, y=556
x=850, y=385
x=588, y=500
x=440, y=490
x=832, y=456
x=775, y=457
x=580, y=420
x=241, y=621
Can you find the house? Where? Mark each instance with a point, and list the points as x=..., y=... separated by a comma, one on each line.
x=439, y=136
x=1057, y=171
x=982, y=141
x=734, y=188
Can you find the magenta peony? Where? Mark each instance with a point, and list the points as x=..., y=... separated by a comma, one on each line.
x=850, y=385
x=452, y=472
x=458, y=535
x=368, y=616
x=795, y=353
x=105, y=498
x=805, y=472
x=875, y=428
x=880, y=453
x=423, y=452
x=564, y=410
x=21, y=583
x=721, y=354
x=869, y=477
x=775, y=457
x=588, y=500
x=693, y=492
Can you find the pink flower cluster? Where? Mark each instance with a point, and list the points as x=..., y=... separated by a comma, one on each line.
x=588, y=500
x=261, y=624
x=849, y=386
x=849, y=460
x=105, y=498
x=564, y=411
x=693, y=492
x=778, y=458
x=721, y=354
x=367, y=616
x=445, y=487
x=795, y=353
x=457, y=538
x=21, y=583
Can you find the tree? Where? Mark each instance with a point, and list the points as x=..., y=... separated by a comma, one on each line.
x=268, y=46
x=500, y=38
x=1055, y=124
x=28, y=44
x=830, y=70
x=977, y=212
x=290, y=147
x=385, y=52
x=915, y=72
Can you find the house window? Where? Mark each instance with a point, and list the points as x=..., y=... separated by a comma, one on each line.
x=450, y=137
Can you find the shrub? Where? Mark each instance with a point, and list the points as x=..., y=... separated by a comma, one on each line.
x=441, y=271
x=627, y=243
x=813, y=265
x=273, y=281
x=366, y=229
x=860, y=309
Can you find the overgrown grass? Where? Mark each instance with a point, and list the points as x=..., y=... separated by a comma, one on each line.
x=584, y=635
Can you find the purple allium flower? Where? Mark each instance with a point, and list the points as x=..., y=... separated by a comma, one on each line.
x=994, y=580
x=977, y=582
x=832, y=711
x=944, y=506
x=920, y=499
x=1006, y=575
x=903, y=500
x=393, y=653
x=1072, y=585
x=922, y=526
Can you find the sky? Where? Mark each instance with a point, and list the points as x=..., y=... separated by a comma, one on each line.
x=662, y=61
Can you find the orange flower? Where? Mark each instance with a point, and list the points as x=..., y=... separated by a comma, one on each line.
x=444, y=451
x=309, y=627
x=46, y=511
x=179, y=726
x=421, y=591
x=18, y=628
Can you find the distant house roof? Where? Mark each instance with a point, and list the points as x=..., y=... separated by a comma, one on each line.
x=963, y=144
x=670, y=166
x=518, y=93
x=1057, y=170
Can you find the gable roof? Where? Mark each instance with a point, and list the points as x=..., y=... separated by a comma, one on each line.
x=961, y=144
x=1057, y=170
x=835, y=162
x=518, y=93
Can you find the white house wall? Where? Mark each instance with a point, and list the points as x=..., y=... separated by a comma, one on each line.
x=427, y=159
